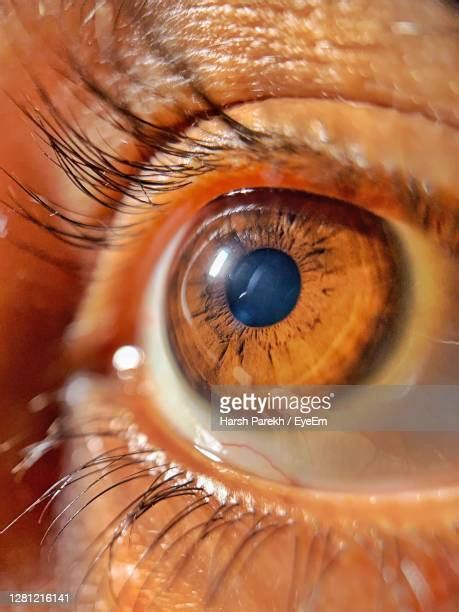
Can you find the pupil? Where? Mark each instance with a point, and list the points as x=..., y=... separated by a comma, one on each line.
x=263, y=287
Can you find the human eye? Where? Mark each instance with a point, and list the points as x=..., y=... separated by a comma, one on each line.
x=182, y=151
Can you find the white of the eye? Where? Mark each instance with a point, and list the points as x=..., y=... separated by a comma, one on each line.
x=172, y=393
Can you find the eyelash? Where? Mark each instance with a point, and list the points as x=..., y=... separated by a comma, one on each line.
x=250, y=528
x=168, y=481
x=97, y=171
x=127, y=185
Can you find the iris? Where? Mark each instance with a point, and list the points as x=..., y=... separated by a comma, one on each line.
x=263, y=287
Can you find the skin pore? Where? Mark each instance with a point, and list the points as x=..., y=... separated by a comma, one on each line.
x=361, y=81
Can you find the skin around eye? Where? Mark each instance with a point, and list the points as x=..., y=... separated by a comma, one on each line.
x=198, y=193
x=177, y=528
x=35, y=272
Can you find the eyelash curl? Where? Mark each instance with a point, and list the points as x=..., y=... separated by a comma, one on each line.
x=108, y=178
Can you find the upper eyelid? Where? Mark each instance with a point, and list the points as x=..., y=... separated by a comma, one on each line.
x=99, y=171
x=169, y=71
x=178, y=65
x=93, y=173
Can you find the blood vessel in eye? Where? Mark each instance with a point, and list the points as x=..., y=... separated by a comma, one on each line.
x=263, y=287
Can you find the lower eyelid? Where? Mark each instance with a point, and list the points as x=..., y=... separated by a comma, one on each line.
x=125, y=411
x=234, y=536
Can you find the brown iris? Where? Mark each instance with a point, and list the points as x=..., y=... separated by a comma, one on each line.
x=332, y=324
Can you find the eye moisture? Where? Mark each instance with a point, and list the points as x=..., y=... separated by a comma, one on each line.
x=263, y=287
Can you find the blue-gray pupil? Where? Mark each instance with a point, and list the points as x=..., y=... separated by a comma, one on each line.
x=263, y=287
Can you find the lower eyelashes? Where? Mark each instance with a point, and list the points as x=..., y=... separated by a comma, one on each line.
x=148, y=534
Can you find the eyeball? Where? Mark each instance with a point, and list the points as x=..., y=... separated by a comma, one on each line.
x=280, y=288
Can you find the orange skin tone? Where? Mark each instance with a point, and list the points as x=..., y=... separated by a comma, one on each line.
x=37, y=306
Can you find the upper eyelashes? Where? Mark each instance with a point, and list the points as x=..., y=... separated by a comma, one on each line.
x=163, y=160
x=117, y=183
x=148, y=160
